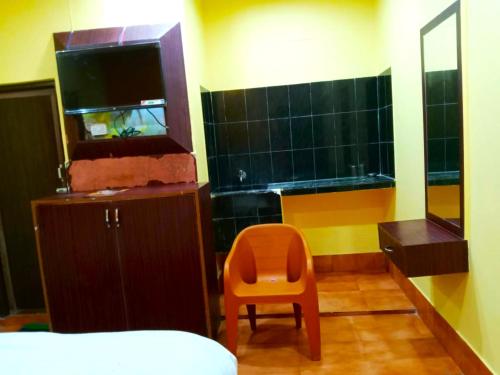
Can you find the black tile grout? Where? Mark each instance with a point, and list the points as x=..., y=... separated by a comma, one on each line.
x=244, y=217
x=302, y=116
x=444, y=138
x=249, y=173
x=269, y=133
x=215, y=140
x=304, y=149
x=356, y=124
x=312, y=132
x=441, y=104
x=378, y=124
x=290, y=128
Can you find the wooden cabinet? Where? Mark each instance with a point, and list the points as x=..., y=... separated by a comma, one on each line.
x=423, y=248
x=134, y=261
x=80, y=268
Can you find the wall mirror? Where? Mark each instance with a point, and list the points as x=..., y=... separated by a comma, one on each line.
x=443, y=130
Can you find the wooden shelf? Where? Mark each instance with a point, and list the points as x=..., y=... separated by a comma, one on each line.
x=119, y=147
x=177, y=117
x=423, y=248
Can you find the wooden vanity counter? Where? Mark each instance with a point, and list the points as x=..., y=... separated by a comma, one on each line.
x=423, y=248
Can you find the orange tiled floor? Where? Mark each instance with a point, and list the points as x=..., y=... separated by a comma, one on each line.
x=377, y=333
x=349, y=293
x=14, y=323
x=392, y=341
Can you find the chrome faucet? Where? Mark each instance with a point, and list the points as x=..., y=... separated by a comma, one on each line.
x=242, y=175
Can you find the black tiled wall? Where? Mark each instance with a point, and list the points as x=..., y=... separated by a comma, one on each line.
x=386, y=137
x=234, y=212
x=299, y=132
x=442, y=121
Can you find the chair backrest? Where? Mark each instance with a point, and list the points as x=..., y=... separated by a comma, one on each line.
x=276, y=250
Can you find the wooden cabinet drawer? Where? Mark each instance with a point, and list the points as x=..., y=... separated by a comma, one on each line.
x=423, y=248
x=392, y=249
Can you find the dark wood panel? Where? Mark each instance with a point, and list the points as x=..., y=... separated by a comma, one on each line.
x=423, y=248
x=17, y=89
x=107, y=36
x=418, y=232
x=4, y=302
x=79, y=262
x=205, y=223
x=174, y=76
x=71, y=129
x=29, y=143
x=161, y=264
x=61, y=40
x=144, y=32
x=367, y=262
x=456, y=347
x=155, y=191
x=136, y=146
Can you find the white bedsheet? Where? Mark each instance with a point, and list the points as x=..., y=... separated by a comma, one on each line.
x=132, y=352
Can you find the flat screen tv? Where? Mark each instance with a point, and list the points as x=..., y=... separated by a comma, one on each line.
x=111, y=78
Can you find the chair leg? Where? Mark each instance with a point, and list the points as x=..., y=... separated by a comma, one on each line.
x=311, y=318
x=297, y=311
x=231, y=310
x=252, y=316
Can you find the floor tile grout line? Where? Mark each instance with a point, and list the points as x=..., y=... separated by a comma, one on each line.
x=332, y=314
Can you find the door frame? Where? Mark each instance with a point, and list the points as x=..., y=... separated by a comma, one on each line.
x=43, y=87
x=19, y=90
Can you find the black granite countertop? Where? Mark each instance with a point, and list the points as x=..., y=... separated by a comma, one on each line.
x=443, y=178
x=313, y=186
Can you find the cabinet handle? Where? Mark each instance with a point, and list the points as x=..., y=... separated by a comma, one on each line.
x=106, y=218
x=117, y=217
x=388, y=249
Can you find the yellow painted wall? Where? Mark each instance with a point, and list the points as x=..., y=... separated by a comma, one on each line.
x=194, y=52
x=26, y=28
x=469, y=302
x=340, y=223
x=272, y=42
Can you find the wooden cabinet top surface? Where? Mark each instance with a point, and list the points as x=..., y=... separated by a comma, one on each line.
x=128, y=194
x=418, y=232
x=423, y=248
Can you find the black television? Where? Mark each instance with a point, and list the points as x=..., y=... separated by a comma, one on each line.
x=111, y=78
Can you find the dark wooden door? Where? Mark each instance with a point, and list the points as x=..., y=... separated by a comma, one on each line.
x=4, y=301
x=159, y=249
x=81, y=268
x=30, y=151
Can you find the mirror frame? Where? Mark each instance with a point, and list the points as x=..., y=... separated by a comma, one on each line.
x=453, y=9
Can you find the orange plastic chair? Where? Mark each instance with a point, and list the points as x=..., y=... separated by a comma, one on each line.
x=271, y=263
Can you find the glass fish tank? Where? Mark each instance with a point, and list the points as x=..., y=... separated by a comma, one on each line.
x=124, y=123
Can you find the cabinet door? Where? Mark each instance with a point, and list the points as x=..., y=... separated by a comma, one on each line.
x=160, y=257
x=80, y=268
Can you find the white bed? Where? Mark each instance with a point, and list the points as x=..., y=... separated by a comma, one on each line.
x=133, y=352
